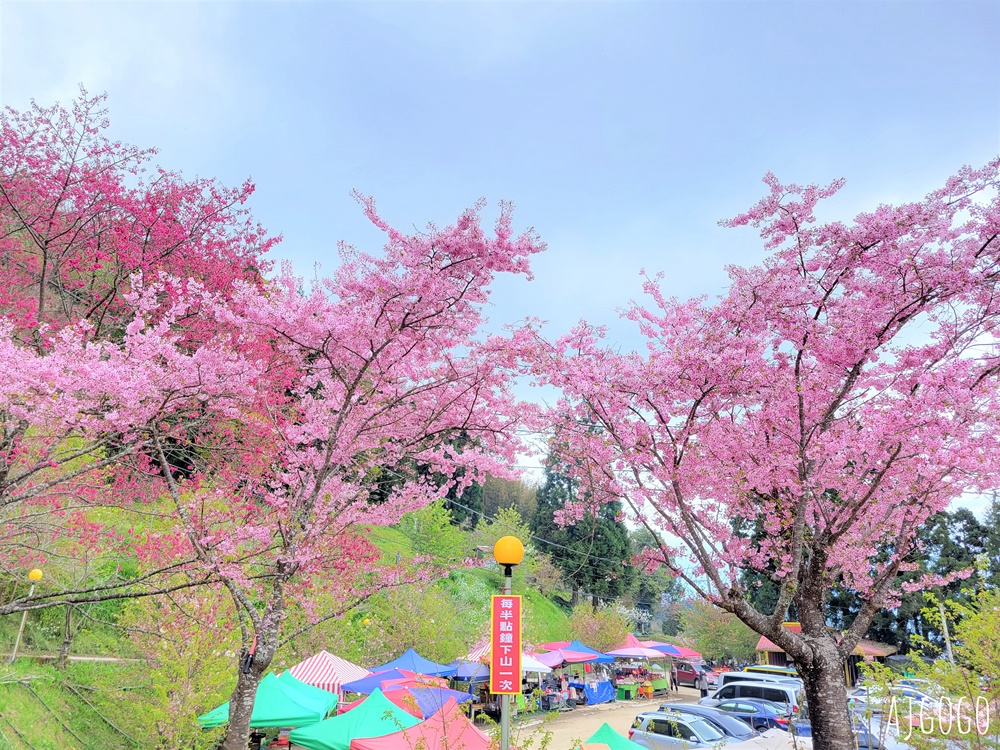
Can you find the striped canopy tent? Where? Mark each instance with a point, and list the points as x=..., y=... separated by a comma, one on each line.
x=328, y=672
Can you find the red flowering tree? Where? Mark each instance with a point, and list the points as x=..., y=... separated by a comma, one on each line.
x=836, y=397
x=113, y=273
x=367, y=384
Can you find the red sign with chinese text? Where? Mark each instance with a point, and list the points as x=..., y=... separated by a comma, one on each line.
x=505, y=644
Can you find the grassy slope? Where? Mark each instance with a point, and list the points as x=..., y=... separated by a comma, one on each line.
x=65, y=721
x=54, y=729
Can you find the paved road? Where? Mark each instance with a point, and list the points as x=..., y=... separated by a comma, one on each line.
x=580, y=723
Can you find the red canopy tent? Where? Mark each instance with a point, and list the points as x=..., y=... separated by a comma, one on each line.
x=448, y=728
x=402, y=698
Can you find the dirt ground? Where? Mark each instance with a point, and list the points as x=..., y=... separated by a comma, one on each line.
x=579, y=724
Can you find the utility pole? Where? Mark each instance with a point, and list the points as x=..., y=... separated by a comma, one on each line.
x=944, y=630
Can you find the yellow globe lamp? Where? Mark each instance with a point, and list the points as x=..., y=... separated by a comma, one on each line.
x=508, y=550
x=35, y=575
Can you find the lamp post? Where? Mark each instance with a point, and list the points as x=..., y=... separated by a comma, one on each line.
x=508, y=552
x=34, y=576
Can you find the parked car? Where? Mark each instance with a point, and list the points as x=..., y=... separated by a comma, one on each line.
x=876, y=699
x=728, y=725
x=687, y=673
x=669, y=730
x=867, y=735
x=782, y=693
x=728, y=677
x=769, y=669
x=759, y=715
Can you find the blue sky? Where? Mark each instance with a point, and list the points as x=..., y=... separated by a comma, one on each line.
x=622, y=131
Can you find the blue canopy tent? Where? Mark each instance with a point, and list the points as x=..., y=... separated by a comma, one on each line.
x=372, y=682
x=580, y=648
x=470, y=671
x=414, y=662
x=430, y=700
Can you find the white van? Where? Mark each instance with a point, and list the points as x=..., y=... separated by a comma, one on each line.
x=776, y=692
x=726, y=677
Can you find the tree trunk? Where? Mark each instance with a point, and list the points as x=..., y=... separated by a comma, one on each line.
x=575, y=598
x=826, y=696
x=241, y=701
x=67, y=638
x=594, y=602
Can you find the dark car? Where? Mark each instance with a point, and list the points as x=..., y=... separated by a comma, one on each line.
x=760, y=715
x=728, y=725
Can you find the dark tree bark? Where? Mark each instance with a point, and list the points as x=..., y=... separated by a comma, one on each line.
x=241, y=701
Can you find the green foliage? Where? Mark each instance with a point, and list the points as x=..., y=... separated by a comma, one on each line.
x=717, y=634
x=431, y=532
x=604, y=628
x=189, y=650
x=594, y=553
x=508, y=522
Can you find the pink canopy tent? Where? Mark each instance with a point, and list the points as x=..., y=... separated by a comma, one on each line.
x=689, y=653
x=557, y=657
x=555, y=645
x=633, y=649
x=402, y=698
x=327, y=672
x=448, y=728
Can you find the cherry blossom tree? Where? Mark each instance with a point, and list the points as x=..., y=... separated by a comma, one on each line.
x=113, y=271
x=367, y=382
x=835, y=397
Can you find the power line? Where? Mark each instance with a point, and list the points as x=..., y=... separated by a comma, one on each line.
x=536, y=538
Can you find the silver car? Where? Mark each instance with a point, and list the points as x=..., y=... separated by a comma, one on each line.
x=672, y=730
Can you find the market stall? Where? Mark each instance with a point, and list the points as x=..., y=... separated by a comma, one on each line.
x=448, y=728
x=279, y=703
x=375, y=716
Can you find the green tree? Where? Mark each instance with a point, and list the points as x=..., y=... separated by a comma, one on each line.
x=716, y=634
x=508, y=522
x=594, y=553
x=431, y=532
x=658, y=593
x=603, y=628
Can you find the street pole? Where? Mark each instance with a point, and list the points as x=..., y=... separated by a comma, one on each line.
x=508, y=572
x=34, y=576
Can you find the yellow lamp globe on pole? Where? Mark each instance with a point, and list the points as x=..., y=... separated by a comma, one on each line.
x=508, y=550
x=34, y=575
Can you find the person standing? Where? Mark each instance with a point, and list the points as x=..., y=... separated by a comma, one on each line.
x=673, y=678
x=701, y=682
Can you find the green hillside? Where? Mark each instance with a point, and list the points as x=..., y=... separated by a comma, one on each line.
x=93, y=704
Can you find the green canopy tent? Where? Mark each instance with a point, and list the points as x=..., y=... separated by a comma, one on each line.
x=278, y=703
x=376, y=716
x=324, y=696
x=608, y=736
